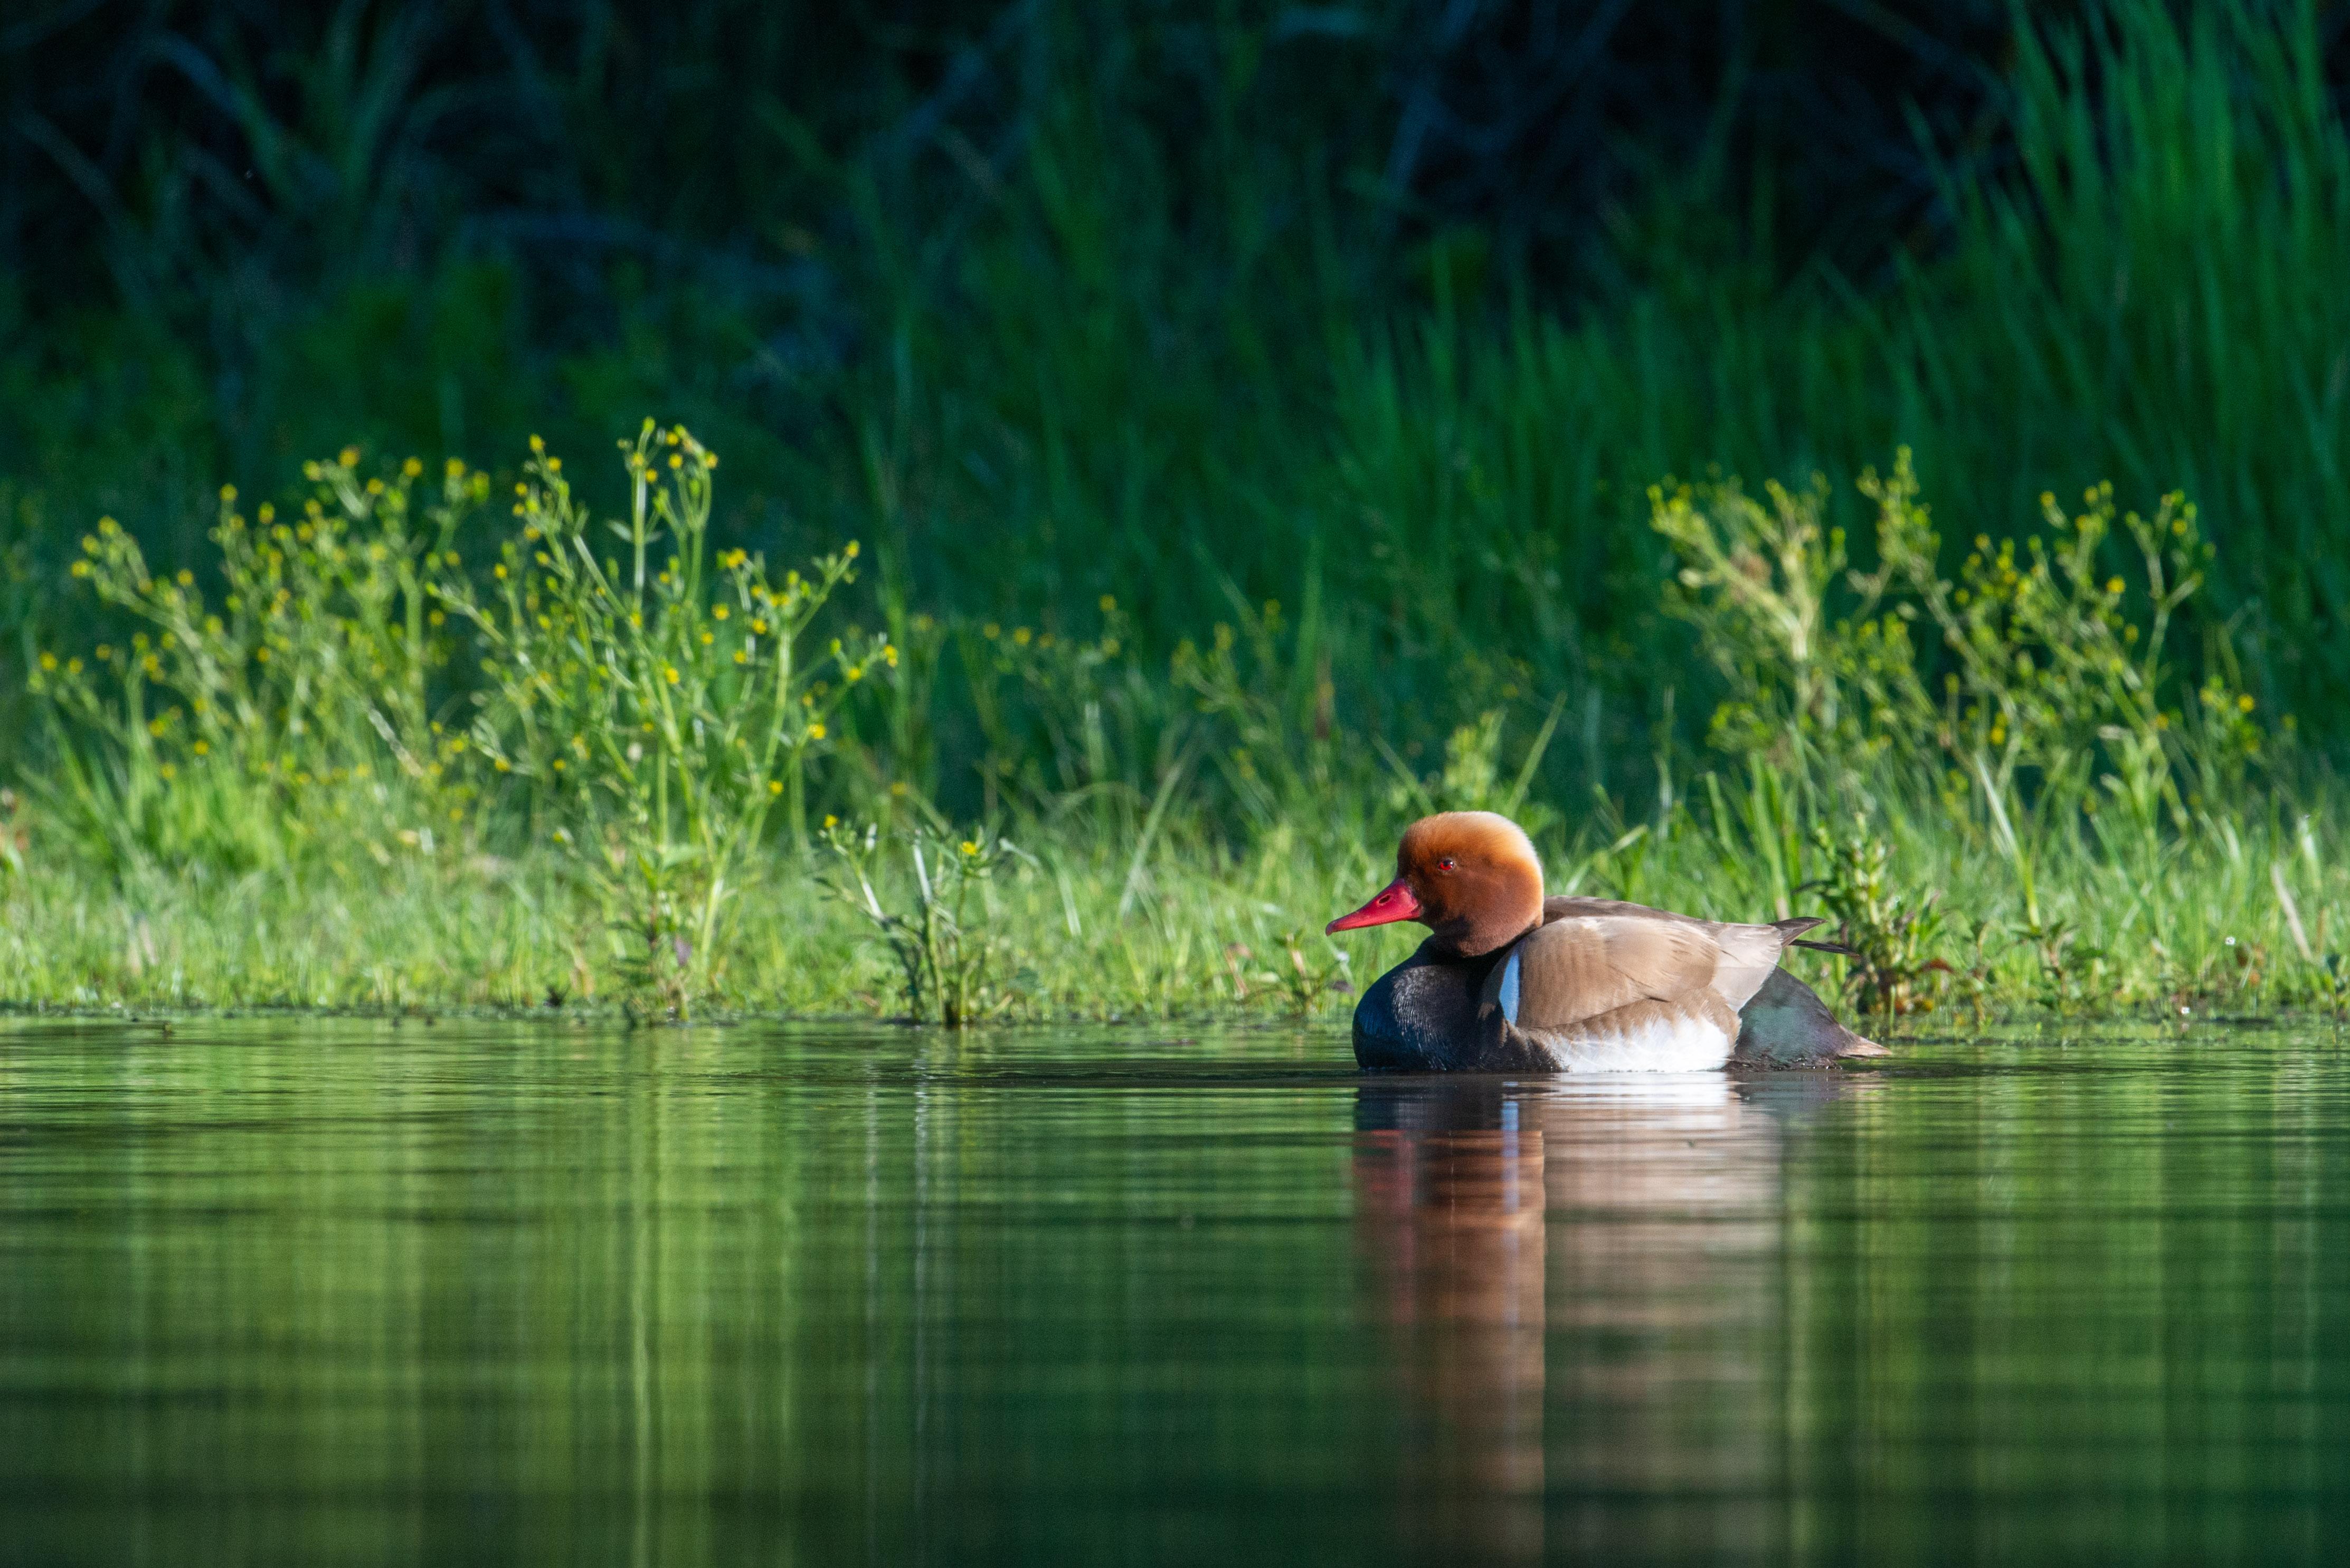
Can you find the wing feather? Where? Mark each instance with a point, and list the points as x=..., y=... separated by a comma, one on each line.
x=1576, y=969
x=1581, y=964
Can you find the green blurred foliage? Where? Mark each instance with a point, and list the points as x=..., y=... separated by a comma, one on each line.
x=1053, y=303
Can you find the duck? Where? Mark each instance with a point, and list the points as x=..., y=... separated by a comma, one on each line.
x=1510, y=981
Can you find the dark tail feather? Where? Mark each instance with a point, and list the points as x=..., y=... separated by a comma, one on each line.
x=1795, y=928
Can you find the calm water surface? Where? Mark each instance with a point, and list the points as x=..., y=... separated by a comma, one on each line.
x=333, y=1291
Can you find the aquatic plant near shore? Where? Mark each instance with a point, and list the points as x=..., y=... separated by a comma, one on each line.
x=296, y=709
x=1892, y=934
x=2058, y=710
x=949, y=953
x=1303, y=982
x=2047, y=659
x=655, y=706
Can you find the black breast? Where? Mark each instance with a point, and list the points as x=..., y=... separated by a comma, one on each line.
x=1421, y=1017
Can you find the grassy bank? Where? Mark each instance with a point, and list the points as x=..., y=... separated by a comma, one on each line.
x=1187, y=931
x=1118, y=542
x=605, y=764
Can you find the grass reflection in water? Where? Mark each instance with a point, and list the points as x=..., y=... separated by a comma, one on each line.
x=331, y=1291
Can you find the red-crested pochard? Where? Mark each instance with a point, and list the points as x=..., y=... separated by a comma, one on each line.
x=1509, y=981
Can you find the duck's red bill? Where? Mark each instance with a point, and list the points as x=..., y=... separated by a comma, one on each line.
x=1393, y=902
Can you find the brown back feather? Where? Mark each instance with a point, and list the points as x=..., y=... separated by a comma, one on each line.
x=1575, y=968
x=1745, y=954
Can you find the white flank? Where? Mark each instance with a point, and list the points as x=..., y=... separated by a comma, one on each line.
x=1689, y=1045
x=1510, y=988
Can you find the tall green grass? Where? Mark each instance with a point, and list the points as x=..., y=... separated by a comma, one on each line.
x=1089, y=377
x=2001, y=783
x=1213, y=546
x=1462, y=487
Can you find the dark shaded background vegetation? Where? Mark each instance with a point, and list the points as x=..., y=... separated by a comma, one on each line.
x=1387, y=311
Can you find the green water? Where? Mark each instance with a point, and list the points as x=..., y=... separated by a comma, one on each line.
x=333, y=1291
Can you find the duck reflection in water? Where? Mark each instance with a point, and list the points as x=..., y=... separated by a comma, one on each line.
x=1581, y=1278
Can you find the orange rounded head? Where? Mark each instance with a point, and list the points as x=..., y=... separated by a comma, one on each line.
x=1471, y=876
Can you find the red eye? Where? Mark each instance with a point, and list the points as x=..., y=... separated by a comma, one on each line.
x=1446, y=864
